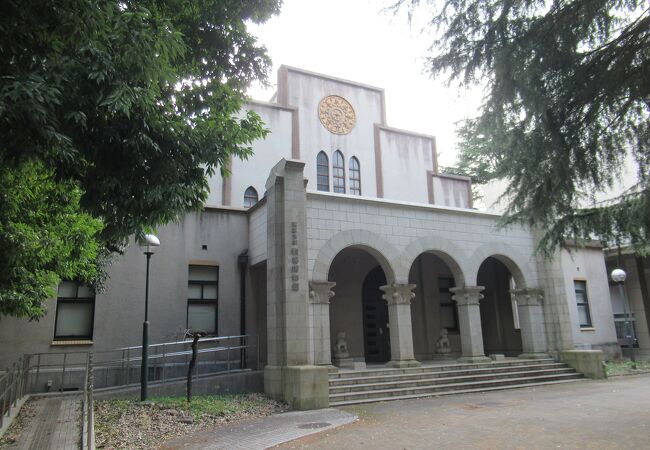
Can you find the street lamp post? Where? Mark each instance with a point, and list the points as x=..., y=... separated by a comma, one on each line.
x=149, y=245
x=618, y=277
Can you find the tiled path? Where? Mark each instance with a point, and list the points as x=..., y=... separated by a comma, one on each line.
x=265, y=432
x=55, y=426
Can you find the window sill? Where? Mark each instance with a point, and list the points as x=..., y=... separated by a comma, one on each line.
x=73, y=342
x=587, y=329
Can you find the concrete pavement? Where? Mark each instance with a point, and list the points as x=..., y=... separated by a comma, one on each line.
x=264, y=432
x=607, y=414
x=55, y=426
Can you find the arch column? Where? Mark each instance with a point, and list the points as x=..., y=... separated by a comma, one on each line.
x=320, y=293
x=531, y=322
x=469, y=322
x=399, y=296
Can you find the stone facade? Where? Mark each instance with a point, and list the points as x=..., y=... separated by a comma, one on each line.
x=393, y=268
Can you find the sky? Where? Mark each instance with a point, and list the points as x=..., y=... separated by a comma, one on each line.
x=355, y=40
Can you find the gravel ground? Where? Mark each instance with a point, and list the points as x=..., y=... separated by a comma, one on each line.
x=127, y=424
x=18, y=425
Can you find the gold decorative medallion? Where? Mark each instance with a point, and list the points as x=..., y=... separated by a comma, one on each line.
x=336, y=114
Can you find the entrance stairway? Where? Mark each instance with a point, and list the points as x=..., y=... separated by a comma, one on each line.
x=382, y=384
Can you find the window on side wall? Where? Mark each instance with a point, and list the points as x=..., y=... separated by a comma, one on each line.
x=322, y=172
x=355, y=176
x=338, y=172
x=202, y=298
x=250, y=197
x=75, y=311
x=584, y=315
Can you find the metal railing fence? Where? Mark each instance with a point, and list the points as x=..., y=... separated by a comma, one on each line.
x=12, y=387
x=168, y=361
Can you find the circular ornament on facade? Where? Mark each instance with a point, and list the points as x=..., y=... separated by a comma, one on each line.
x=336, y=114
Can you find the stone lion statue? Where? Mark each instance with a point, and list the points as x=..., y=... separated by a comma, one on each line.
x=442, y=344
x=341, y=348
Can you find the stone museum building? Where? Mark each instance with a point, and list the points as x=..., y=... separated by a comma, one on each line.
x=339, y=243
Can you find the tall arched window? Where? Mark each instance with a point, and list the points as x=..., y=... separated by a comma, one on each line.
x=250, y=197
x=322, y=172
x=355, y=176
x=338, y=172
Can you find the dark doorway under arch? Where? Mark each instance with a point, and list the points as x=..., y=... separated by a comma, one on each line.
x=376, y=338
x=499, y=320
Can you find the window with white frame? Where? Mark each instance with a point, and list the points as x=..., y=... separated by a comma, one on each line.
x=338, y=172
x=584, y=315
x=202, y=298
x=75, y=311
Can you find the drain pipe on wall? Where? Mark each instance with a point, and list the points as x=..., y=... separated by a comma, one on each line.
x=242, y=262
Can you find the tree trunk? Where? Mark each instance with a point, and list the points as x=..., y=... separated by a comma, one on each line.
x=195, y=353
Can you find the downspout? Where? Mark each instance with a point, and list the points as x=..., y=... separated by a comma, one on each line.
x=242, y=262
x=643, y=285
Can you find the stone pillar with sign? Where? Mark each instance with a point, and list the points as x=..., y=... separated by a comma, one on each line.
x=291, y=374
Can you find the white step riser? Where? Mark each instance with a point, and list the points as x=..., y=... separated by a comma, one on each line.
x=433, y=390
x=440, y=374
x=437, y=368
x=446, y=380
x=454, y=392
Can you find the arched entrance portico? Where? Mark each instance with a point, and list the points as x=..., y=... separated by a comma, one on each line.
x=358, y=309
x=499, y=316
x=433, y=312
x=345, y=261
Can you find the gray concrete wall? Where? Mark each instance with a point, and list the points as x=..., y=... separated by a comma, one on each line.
x=119, y=311
x=588, y=264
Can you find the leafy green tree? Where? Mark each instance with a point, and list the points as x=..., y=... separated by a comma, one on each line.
x=128, y=104
x=44, y=236
x=567, y=100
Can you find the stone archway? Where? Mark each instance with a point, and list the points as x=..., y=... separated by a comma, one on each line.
x=433, y=311
x=499, y=316
x=375, y=245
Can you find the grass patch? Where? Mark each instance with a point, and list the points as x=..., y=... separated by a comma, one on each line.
x=127, y=423
x=211, y=405
x=626, y=367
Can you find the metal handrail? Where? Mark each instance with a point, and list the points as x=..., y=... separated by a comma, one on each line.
x=117, y=367
x=13, y=383
x=88, y=408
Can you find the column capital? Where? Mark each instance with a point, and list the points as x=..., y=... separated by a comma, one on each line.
x=398, y=293
x=321, y=291
x=528, y=296
x=468, y=295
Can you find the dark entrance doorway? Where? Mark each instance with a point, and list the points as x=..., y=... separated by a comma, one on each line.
x=376, y=338
x=501, y=332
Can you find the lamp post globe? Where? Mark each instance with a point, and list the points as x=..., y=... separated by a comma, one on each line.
x=618, y=275
x=149, y=246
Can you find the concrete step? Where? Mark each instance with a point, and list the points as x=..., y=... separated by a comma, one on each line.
x=429, y=374
x=435, y=368
x=433, y=381
x=335, y=403
x=452, y=385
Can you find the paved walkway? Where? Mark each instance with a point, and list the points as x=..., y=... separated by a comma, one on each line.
x=56, y=425
x=608, y=414
x=265, y=432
